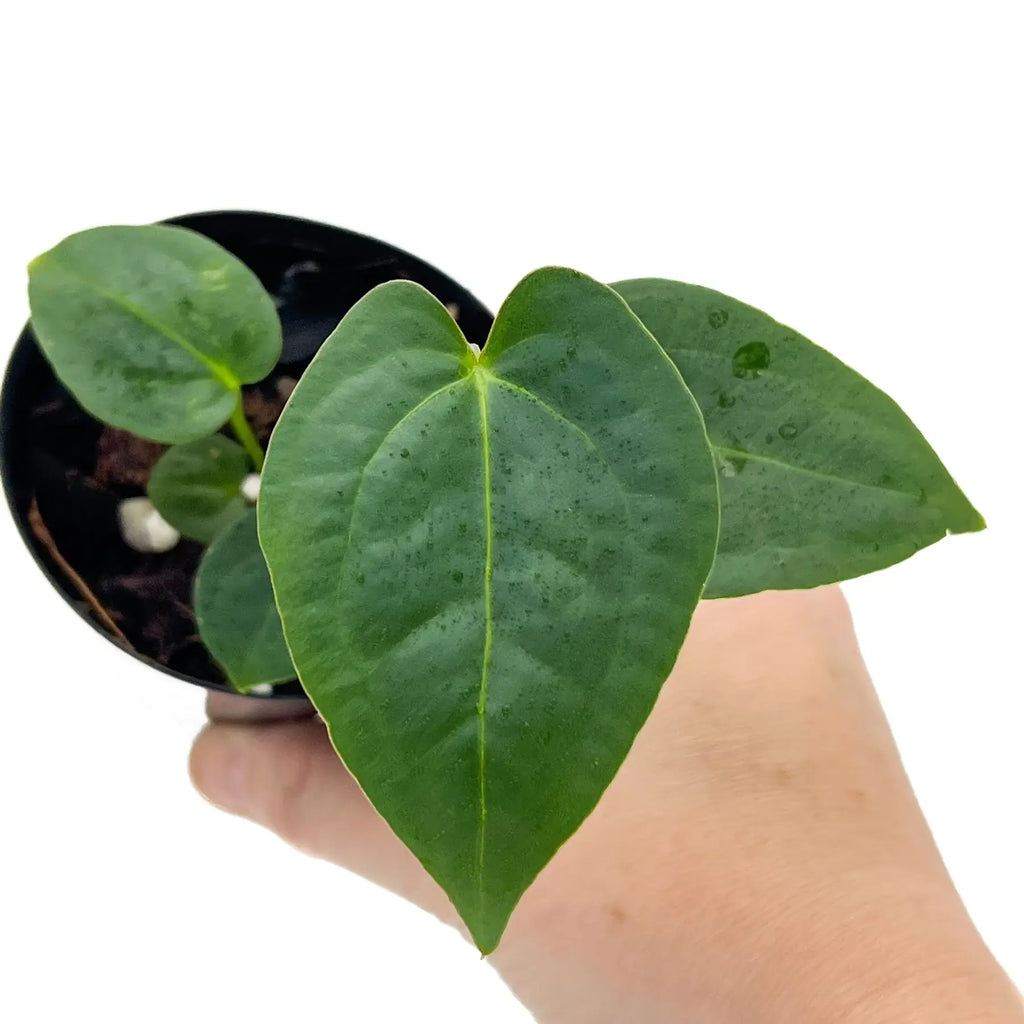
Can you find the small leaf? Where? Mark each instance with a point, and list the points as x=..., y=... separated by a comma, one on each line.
x=486, y=567
x=235, y=609
x=196, y=486
x=152, y=328
x=823, y=477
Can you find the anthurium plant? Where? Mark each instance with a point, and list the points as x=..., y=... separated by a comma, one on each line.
x=481, y=564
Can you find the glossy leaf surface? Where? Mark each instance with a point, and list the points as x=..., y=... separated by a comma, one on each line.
x=823, y=477
x=486, y=567
x=196, y=486
x=235, y=609
x=152, y=328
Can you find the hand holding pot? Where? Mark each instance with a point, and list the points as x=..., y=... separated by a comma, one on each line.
x=759, y=858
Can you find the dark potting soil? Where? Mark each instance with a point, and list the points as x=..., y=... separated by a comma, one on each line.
x=84, y=470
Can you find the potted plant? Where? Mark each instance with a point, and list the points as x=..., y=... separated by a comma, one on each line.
x=66, y=473
x=480, y=558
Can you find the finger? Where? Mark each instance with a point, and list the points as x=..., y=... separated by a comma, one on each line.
x=233, y=707
x=286, y=777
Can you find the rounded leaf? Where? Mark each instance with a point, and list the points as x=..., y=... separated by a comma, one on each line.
x=152, y=328
x=197, y=486
x=486, y=567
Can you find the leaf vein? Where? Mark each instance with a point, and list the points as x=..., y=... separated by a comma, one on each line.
x=362, y=472
x=740, y=453
x=519, y=390
x=220, y=373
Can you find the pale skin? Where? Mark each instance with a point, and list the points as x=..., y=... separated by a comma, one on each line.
x=759, y=859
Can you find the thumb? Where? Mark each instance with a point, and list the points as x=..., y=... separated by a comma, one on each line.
x=287, y=777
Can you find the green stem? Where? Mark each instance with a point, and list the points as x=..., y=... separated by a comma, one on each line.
x=240, y=425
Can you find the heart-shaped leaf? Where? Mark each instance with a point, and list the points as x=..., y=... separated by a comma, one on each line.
x=153, y=328
x=235, y=609
x=486, y=567
x=196, y=486
x=823, y=477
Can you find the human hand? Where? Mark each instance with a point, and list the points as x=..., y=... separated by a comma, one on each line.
x=759, y=858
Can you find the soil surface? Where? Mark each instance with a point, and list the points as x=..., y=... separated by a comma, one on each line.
x=84, y=469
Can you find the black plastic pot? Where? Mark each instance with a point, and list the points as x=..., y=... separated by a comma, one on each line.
x=315, y=273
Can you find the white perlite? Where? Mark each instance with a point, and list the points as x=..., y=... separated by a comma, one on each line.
x=250, y=488
x=262, y=689
x=143, y=528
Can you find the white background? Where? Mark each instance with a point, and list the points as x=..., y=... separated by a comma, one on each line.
x=850, y=168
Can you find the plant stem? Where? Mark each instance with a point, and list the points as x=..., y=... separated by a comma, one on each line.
x=240, y=425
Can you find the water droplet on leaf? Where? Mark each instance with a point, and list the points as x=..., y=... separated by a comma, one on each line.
x=749, y=360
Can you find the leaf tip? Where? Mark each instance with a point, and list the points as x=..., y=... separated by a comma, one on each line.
x=485, y=920
x=486, y=938
x=974, y=522
x=963, y=517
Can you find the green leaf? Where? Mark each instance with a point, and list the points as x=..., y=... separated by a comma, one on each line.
x=153, y=328
x=486, y=568
x=235, y=609
x=196, y=486
x=823, y=477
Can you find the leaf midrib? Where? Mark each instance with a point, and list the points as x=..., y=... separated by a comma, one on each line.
x=725, y=451
x=219, y=372
x=480, y=376
x=740, y=453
